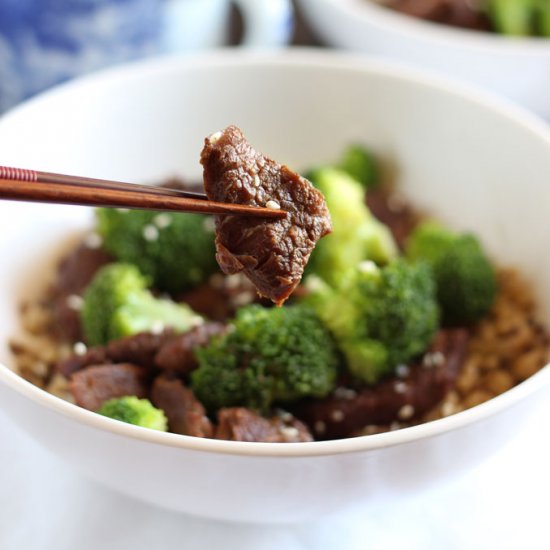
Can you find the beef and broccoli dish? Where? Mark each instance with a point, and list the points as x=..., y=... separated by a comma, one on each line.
x=508, y=17
x=397, y=320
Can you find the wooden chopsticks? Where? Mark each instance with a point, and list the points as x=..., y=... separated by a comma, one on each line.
x=33, y=186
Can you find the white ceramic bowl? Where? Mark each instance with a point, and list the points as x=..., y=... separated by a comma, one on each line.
x=477, y=163
x=516, y=68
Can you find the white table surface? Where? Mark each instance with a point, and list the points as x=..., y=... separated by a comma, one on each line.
x=503, y=504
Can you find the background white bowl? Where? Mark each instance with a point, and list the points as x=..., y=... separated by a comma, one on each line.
x=518, y=68
x=477, y=163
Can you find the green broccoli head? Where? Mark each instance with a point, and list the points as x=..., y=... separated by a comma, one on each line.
x=381, y=317
x=514, y=17
x=136, y=411
x=271, y=355
x=356, y=234
x=361, y=165
x=117, y=303
x=465, y=279
x=175, y=250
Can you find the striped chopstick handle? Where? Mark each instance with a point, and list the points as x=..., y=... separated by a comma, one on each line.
x=17, y=174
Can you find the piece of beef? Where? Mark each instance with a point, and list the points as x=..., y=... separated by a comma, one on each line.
x=74, y=273
x=241, y=424
x=271, y=253
x=184, y=411
x=221, y=296
x=399, y=398
x=431, y=10
x=177, y=353
x=393, y=211
x=94, y=385
x=208, y=301
x=139, y=349
x=93, y=356
x=457, y=13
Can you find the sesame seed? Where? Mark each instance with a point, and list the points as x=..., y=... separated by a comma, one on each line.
x=448, y=408
x=337, y=415
x=74, y=302
x=196, y=320
x=209, y=224
x=405, y=412
x=371, y=429
x=274, y=205
x=215, y=137
x=400, y=387
x=80, y=348
x=314, y=283
x=345, y=393
x=285, y=416
x=162, y=220
x=233, y=281
x=402, y=370
x=320, y=427
x=431, y=360
x=256, y=182
x=438, y=359
x=157, y=327
x=93, y=241
x=150, y=233
x=243, y=298
x=367, y=267
x=289, y=432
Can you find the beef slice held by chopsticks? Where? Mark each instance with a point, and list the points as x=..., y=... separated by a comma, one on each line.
x=271, y=253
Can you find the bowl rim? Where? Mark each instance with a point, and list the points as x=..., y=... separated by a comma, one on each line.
x=305, y=58
x=370, y=11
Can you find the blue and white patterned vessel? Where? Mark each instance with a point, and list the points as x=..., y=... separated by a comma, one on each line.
x=43, y=42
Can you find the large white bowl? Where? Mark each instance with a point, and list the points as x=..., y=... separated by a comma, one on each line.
x=518, y=68
x=477, y=163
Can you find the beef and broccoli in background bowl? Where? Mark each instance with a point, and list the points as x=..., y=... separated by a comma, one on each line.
x=373, y=381
x=514, y=62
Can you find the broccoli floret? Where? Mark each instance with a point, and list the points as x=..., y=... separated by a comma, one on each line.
x=175, y=250
x=356, y=235
x=512, y=17
x=271, y=355
x=543, y=18
x=465, y=278
x=117, y=303
x=361, y=165
x=136, y=411
x=380, y=317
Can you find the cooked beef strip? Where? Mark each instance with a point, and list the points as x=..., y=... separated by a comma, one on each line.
x=458, y=13
x=221, y=296
x=271, y=253
x=139, y=349
x=397, y=398
x=94, y=385
x=208, y=301
x=241, y=424
x=177, y=353
x=184, y=412
x=74, y=273
x=76, y=362
x=393, y=211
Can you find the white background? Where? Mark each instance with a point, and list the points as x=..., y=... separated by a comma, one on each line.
x=503, y=504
